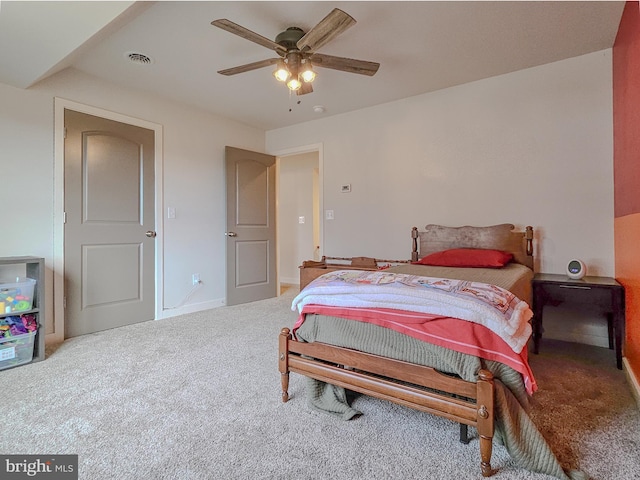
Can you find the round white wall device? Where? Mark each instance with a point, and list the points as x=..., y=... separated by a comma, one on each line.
x=576, y=269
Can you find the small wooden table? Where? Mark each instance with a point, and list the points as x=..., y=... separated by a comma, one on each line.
x=605, y=292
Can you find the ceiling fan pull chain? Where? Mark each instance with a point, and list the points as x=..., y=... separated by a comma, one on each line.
x=298, y=102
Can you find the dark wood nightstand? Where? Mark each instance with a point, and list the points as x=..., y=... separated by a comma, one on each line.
x=605, y=292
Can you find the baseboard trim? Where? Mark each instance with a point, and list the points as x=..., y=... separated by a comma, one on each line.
x=631, y=379
x=192, y=308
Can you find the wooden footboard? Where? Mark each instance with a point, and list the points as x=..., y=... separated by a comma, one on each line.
x=415, y=386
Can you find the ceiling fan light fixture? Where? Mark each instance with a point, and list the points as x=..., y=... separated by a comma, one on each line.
x=294, y=84
x=307, y=74
x=281, y=72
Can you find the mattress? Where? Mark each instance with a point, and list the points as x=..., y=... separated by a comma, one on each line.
x=513, y=277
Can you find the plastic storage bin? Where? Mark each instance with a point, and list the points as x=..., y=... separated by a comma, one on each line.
x=16, y=350
x=16, y=296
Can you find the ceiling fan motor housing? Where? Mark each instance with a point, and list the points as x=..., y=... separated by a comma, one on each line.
x=289, y=38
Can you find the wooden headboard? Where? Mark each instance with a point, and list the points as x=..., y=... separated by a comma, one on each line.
x=436, y=238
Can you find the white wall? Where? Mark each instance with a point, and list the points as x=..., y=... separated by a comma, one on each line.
x=193, y=181
x=534, y=147
x=295, y=200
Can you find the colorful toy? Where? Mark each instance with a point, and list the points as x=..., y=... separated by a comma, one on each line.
x=14, y=326
x=22, y=305
x=29, y=322
x=12, y=299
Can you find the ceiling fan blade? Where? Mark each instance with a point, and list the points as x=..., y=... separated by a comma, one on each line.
x=249, y=66
x=304, y=89
x=350, y=65
x=328, y=28
x=247, y=34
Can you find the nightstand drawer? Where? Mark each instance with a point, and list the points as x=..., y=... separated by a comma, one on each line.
x=556, y=294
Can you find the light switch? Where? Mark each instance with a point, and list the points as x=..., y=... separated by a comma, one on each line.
x=171, y=212
x=328, y=214
x=300, y=219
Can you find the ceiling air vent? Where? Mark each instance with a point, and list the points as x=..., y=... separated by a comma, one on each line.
x=139, y=58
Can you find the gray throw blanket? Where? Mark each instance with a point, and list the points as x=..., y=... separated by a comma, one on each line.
x=513, y=426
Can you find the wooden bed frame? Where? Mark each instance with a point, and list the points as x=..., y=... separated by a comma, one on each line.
x=436, y=238
x=310, y=270
x=415, y=386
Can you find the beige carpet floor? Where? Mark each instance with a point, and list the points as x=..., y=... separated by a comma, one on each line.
x=198, y=397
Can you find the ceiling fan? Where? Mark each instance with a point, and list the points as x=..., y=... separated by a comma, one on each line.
x=297, y=50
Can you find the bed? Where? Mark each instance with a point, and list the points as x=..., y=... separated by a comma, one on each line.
x=339, y=354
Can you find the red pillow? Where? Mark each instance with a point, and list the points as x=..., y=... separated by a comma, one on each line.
x=467, y=257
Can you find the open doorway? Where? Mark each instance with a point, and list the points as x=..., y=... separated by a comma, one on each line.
x=299, y=213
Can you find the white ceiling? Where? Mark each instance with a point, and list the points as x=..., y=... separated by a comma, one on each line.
x=421, y=47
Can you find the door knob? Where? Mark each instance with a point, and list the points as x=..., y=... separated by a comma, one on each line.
x=231, y=234
x=151, y=234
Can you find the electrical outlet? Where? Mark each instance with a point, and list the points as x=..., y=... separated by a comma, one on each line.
x=195, y=278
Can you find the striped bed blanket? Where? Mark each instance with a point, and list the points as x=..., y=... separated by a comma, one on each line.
x=494, y=307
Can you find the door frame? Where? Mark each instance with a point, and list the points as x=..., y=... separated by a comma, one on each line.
x=316, y=148
x=60, y=104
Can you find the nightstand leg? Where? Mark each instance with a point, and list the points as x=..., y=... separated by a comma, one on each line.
x=536, y=343
x=536, y=322
x=618, y=323
x=619, y=330
x=619, y=334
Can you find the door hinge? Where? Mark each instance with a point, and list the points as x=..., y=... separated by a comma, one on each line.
x=64, y=133
x=64, y=217
x=64, y=302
